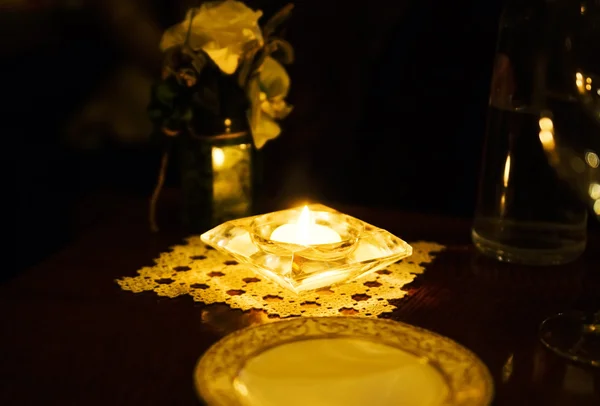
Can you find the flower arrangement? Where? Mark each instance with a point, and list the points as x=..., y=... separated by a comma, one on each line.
x=222, y=73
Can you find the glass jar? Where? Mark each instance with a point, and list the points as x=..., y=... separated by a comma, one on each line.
x=219, y=165
x=217, y=179
x=525, y=212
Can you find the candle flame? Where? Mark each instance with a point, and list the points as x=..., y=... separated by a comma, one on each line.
x=304, y=222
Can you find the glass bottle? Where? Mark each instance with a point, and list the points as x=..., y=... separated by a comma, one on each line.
x=525, y=212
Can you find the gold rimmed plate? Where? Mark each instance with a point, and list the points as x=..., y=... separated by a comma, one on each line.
x=340, y=361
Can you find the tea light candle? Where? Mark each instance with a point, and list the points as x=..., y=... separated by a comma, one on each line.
x=305, y=232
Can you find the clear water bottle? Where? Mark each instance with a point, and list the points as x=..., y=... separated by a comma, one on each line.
x=526, y=213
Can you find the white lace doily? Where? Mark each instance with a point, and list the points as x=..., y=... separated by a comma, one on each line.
x=209, y=276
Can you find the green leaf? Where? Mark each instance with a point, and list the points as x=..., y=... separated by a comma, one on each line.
x=245, y=69
x=274, y=80
x=259, y=61
x=284, y=50
x=199, y=59
x=264, y=129
x=179, y=54
x=254, y=96
x=279, y=18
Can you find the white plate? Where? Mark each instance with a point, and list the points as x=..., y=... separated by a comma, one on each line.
x=331, y=361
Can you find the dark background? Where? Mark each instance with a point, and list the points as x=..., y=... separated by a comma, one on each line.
x=390, y=100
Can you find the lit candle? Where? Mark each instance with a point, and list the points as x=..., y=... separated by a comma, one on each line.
x=305, y=232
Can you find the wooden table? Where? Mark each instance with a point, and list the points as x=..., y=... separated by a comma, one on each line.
x=70, y=336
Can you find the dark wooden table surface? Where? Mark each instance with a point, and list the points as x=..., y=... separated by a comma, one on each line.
x=70, y=336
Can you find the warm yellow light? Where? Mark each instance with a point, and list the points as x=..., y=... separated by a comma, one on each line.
x=595, y=191
x=506, y=170
x=304, y=223
x=588, y=80
x=218, y=157
x=597, y=207
x=592, y=159
x=588, y=87
x=546, y=124
x=547, y=139
x=579, y=76
x=305, y=231
x=240, y=388
x=227, y=122
x=582, y=9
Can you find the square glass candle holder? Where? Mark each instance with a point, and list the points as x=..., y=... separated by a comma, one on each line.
x=302, y=254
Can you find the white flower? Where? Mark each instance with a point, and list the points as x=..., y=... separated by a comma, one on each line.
x=267, y=94
x=219, y=28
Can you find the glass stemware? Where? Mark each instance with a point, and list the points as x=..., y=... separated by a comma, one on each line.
x=576, y=158
x=573, y=335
